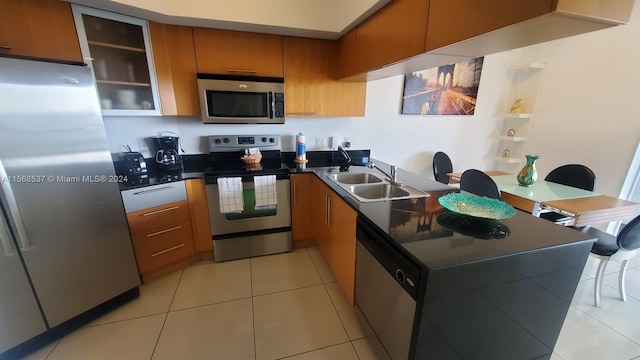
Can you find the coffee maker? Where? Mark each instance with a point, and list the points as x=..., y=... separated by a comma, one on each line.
x=168, y=157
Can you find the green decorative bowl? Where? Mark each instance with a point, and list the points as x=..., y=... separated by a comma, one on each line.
x=477, y=206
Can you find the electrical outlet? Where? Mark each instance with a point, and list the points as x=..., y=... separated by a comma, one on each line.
x=336, y=141
x=144, y=149
x=322, y=142
x=347, y=142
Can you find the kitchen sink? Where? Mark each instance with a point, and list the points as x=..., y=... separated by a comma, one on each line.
x=379, y=191
x=383, y=191
x=355, y=178
x=368, y=186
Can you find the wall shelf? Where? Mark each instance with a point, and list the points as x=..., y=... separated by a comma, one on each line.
x=526, y=83
x=508, y=160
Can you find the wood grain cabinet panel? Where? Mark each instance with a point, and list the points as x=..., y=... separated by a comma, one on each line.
x=396, y=32
x=175, y=61
x=305, y=71
x=451, y=21
x=342, y=231
x=150, y=218
x=333, y=225
x=199, y=209
x=164, y=245
x=320, y=217
x=311, y=85
x=236, y=52
x=300, y=207
x=39, y=28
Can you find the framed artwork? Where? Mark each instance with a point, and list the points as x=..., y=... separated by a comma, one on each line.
x=444, y=90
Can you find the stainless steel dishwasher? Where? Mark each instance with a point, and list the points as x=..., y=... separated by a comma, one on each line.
x=386, y=290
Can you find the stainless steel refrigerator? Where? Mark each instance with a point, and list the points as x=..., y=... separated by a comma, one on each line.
x=65, y=245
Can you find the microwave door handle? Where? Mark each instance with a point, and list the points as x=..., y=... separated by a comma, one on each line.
x=272, y=105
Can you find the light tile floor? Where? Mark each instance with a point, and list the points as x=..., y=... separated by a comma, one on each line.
x=289, y=306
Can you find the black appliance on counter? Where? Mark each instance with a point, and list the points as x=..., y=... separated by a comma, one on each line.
x=254, y=230
x=168, y=157
x=132, y=167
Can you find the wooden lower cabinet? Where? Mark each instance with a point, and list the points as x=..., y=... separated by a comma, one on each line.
x=333, y=224
x=162, y=236
x=199, y=210
x=300, y=207
x=163, y=245
x=342, y=234
x=319, y=217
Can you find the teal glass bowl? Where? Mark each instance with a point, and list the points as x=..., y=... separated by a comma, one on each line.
x=477, y=206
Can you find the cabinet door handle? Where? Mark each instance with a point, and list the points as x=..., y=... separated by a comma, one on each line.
x=167, y=250
x=248, y=71
x=5, y=239
x=5, y=47
x=160, y=211
x=164, y=231
x=295, y=198
x=302, y=113
x=328, y=211
x=153, y=190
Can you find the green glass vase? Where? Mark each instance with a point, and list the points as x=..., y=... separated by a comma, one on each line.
x=528, y=175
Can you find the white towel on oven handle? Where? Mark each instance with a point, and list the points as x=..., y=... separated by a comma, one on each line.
x=265, y=191
x=230, y=193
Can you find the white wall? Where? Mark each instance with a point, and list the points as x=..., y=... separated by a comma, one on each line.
x=587, y=113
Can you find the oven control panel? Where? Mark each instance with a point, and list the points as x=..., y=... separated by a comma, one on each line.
x=219, y=143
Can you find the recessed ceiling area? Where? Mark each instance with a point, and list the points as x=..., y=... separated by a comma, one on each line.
x=326, y=19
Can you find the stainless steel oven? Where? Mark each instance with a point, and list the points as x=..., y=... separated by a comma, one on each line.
x=249, y=230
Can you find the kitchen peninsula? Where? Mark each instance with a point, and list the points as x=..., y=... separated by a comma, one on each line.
x=476, y=297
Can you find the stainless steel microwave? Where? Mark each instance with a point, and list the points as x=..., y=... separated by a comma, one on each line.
x=230, y=99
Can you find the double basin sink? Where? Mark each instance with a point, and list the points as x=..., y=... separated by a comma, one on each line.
x=366, y=186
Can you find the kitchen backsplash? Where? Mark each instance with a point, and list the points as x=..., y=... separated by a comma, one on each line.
x=138, y=131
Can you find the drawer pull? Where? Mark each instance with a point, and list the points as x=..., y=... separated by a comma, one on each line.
x=163, y=231
x=161, y=211
x=153, y=190
x=5, y=47
x=167, y=250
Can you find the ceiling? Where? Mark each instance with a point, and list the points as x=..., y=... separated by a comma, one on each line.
x=325, y=19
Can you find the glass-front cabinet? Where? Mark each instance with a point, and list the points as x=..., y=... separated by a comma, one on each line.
x=117, y=48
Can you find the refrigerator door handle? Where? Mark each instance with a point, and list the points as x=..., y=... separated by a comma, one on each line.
x=9, y=201
x=5, y=238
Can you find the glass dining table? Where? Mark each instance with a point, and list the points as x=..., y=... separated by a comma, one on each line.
x=586, y=207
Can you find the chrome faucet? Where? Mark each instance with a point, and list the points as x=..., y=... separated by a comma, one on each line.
x=392, y=176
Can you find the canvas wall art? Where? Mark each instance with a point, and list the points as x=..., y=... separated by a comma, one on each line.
x=444, y=90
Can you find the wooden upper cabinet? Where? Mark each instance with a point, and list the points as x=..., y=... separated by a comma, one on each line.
x=311, y=85
x=236, y=52
x=394, y=33
x=451, y=21
x=38, y=28
x=305, y=70
x=175, y=61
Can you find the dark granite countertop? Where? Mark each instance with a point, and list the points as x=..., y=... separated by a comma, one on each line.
x=421, y=227
x=437, y=238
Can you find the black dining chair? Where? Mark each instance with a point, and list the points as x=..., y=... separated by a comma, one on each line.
x=574, y=175
x=619, y=248
x=478, y=183
x=441, y=167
